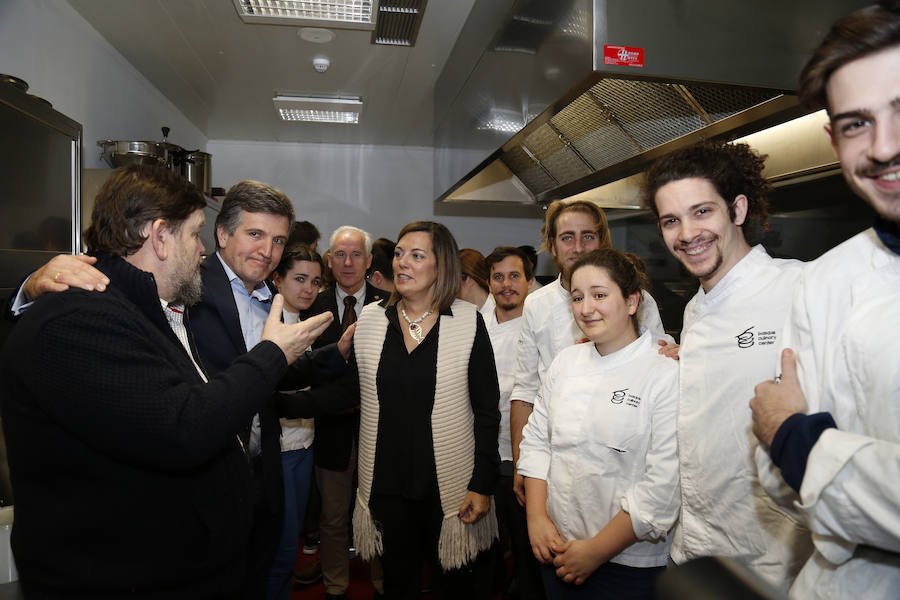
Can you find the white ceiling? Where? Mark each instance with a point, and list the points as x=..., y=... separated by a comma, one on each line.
x=222, y=73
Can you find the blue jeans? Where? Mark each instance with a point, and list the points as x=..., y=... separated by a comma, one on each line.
x=296, y=466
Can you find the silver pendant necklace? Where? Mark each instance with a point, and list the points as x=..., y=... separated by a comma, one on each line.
x=415, y=330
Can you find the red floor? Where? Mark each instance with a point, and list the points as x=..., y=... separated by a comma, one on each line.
x=360, y=583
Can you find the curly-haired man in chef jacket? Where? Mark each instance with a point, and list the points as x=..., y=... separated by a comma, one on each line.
x=709, y=199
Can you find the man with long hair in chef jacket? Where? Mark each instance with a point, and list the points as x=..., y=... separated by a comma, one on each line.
x=570, y=230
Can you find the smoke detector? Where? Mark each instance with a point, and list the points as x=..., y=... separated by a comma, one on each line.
x=321, y=64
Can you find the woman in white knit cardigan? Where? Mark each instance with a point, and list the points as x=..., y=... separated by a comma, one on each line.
x=428, y=459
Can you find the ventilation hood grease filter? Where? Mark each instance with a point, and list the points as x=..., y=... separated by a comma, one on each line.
x=619, y=119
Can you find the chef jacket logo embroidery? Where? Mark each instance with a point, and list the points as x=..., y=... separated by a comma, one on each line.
x=748, y=338
x=619, y=396
x=745, y=339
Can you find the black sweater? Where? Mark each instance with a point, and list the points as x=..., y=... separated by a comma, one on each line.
x=126, y=471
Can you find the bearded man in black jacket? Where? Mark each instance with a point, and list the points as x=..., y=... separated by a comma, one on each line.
x=128, y=475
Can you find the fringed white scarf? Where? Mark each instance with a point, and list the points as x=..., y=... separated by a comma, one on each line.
x=452, y=426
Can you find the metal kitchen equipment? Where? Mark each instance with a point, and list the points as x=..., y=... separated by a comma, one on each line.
x=119, y=153
x=196, y=167
x=14, y=81
x=193, y=165
x=173, y=151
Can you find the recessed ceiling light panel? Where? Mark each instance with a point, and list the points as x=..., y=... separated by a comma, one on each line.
x=346, y=14
x=318, y=110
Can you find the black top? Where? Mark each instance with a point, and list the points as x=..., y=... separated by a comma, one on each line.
x=335, y=433
x=889, y=234
x=404, y=453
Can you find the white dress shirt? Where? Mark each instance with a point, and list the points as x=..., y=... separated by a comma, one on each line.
x=360, y=295
x=175, y=317
x=487, y=309
x=253, y=308
x=504, y=338
x=296, y=434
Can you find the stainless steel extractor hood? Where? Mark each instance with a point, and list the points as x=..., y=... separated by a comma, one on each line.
x=540, y=113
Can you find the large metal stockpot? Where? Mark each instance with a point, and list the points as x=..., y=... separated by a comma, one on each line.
x=196, y=167
x=193, y=165
x=119, y=153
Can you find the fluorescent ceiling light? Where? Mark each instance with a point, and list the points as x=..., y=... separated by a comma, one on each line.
x=504, y=120
x=318, y=110
x=348, y=14
x=502, y=125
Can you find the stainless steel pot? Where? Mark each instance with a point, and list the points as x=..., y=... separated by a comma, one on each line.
x=193, y=165
x=196, y=167
x=119, y=153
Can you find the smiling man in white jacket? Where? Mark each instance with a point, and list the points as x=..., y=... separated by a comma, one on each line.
x=844, y=455
x=708, y=199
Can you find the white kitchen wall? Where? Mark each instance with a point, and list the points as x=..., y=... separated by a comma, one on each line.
x=378, y=188
x=64, y=60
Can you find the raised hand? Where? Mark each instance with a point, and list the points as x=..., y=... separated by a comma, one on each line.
x=776, y=400
x=293, y=339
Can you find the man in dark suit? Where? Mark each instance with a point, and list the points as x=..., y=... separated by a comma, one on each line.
x=251, y=231
x=335, y=445
x=129, y=432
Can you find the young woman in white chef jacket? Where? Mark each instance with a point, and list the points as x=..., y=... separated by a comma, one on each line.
x=599, y=451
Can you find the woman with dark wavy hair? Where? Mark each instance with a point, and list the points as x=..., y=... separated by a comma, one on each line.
x=428, y=459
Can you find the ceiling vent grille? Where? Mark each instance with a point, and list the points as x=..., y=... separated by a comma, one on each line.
x=398, y=22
